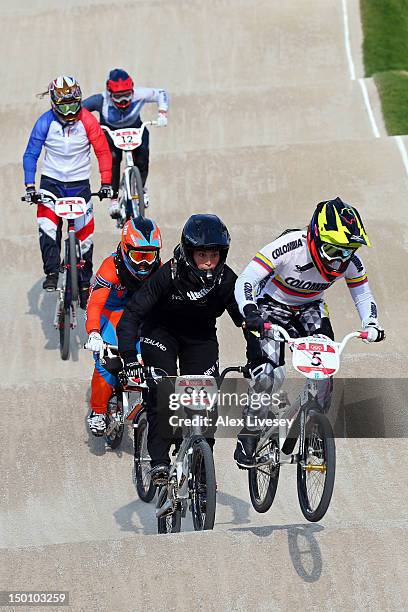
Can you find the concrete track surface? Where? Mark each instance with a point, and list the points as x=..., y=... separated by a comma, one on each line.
x=264, y=123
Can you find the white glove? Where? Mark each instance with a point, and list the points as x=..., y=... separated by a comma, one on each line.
x=114, y=209
x=375, y=332
x=95, y=343
x=161, y=120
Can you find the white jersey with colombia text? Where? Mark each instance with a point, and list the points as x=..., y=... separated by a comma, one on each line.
x=284, y=271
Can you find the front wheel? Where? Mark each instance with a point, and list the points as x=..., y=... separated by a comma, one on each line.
x=317, y=468
x=64, y=331
x=263, y=479
x=73, y=263
x=136, y=193
x=141, y=466
x=203, y=486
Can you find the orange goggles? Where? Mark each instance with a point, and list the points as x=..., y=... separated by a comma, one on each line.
x=139, y=256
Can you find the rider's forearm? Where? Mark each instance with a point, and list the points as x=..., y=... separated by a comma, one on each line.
x=96, y=303
x=247, y=284
x=365, y=303
x=163, y=102
x=127, y=332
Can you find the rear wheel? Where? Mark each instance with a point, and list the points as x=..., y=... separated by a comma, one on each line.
x=317, y=468
x=263, y=480
x=64, y=331
x=170, y=523
x=73, y=262
x=136, y=192
x=203, y=486
x=141, y=467
x=114, y=422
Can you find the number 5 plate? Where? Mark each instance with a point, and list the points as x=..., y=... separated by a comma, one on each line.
x=316, y=357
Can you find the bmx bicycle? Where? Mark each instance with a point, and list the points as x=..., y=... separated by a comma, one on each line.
x=317, y=358
x=127, y=404
x=191, y=483
x=131, y=193
x=65, y=317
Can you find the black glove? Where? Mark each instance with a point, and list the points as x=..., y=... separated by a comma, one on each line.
x=105, y=191
x=253, y=319
x=31, y=195
x=131, y=369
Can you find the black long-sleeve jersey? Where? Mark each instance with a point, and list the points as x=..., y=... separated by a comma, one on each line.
x=190, y=313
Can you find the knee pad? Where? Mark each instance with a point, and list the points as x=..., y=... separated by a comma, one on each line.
x=266, y=378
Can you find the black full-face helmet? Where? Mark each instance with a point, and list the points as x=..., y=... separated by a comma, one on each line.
x=204, y=232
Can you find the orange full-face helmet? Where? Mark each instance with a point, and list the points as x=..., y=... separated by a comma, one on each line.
x=140, y=247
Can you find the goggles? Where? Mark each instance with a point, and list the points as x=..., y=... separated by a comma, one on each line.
x=332, y=252
x=122, y=96
x=138, y=257
x=68, y=109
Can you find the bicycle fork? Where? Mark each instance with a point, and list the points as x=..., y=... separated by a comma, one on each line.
x=177, y=489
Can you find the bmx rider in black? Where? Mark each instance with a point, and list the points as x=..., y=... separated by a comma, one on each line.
x=177, y=309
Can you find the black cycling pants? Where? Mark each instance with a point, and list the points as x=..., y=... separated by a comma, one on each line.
x=161, y=348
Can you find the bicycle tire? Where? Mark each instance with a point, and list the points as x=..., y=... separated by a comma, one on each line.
x=262, y=499
x=114, y=439
x=202, y=464
x=64, y=331
x=171, y=523
x=146, y=490
x=136, y=190
x=318, y=434
x=73, y=262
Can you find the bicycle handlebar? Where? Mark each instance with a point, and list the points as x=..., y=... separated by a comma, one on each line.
x=39, y=198
x=142, y=126
x=286, y=338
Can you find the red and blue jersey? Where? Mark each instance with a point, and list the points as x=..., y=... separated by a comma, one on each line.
x=67, y=149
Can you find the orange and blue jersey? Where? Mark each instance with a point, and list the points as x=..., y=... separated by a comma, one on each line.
x=106, y=302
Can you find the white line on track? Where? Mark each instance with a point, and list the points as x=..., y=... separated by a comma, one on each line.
x=403, y=151
x=347, y=42
x=373, y=122
x=398, y=139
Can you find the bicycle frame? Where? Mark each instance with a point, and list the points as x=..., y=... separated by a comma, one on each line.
x=70, y=209
x=312, y=357
x=126, y=140
x=131, y=409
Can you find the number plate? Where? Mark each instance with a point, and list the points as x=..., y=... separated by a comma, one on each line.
x=70, y=208
x=316, y=357
x=196, y=392
x=127, y=139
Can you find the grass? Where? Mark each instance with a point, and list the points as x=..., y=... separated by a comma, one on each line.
x=393, y=88
x=385, y=48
